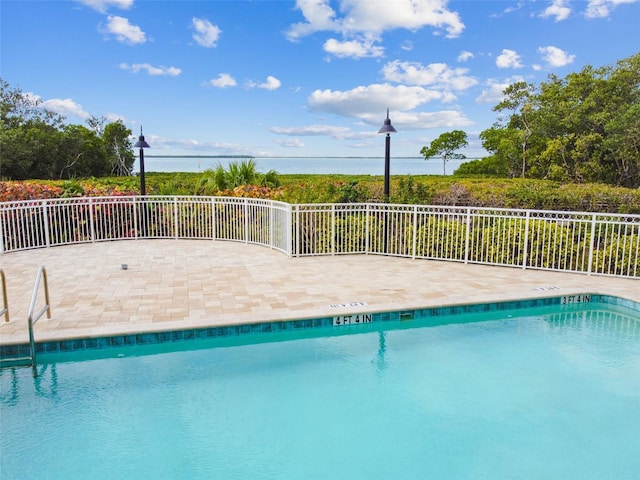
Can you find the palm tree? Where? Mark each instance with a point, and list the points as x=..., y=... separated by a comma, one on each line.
x=212, y=181
x=237, y=174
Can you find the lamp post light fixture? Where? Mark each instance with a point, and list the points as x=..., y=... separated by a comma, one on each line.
x=142, y=144
x=388, y=129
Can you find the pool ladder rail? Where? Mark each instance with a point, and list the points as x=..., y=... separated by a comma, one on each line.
x=5, y=302
x=33, y=317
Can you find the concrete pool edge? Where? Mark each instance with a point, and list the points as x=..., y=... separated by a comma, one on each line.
x=148, y=336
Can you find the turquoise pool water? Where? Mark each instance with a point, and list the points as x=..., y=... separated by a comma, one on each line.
x=539, y=393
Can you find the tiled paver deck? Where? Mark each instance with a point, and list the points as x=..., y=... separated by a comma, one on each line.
x=179, y=284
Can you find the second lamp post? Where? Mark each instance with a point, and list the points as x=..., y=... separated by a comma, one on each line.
x=142, y=144
x=388, y=129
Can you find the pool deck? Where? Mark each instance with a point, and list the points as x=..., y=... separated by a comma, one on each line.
x=182, y=284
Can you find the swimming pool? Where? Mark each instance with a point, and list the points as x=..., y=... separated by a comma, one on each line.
x=545, y=392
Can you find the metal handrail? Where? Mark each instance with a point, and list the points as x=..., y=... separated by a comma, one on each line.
x=5, y=303
x=42, y=275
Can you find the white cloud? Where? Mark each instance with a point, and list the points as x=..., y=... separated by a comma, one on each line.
x=494, y=93
x=407, y=14
x=368, y=102
x=312, y=130
x=123, y=30
x=425, y=120
x=353, y=48
x=512, y=8
x=437, y=74
x=114, y=117
x=102, y=5
x=407, y=45
x=556, y=57
x=223, y=80
x=290, y=143
x=206, y=34
x=508, y=59
x=222, y=148
x=370, y=19
x=464, y=56
x=319, y=15
x=408, y=120
x=335, y=132
x=272, y=83
x=65, y=107
x=558, y=9
x=151, y=70
x=603, y=8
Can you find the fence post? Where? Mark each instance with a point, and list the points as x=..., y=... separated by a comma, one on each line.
x=92, y=223
x=385, y=240
x=592, y=242
x=287, y=225
x=414, y=243
x=144, y=227
x=45, y=215
x=270, y=235
x=214, y=219
x=367, y=214
x=467, y=237
x=296, y=240
x=1, y=232
x=333, y=229
x=135, y=217
x=525, y=258
x=246, y=220
x=176, y=222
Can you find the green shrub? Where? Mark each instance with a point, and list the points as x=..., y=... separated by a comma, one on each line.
x=411, y=192
x=442, y=237
x=406, y=189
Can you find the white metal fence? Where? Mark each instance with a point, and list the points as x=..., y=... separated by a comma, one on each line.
x=604, y=244
x=45, y=223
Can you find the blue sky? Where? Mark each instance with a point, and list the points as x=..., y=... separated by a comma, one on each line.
x=300, y=78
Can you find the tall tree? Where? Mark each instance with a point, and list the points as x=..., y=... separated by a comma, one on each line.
x=117, y=142
x=518, y=100
x=583, y=127
x=446, y=145
x=36, y=143
x=96, y=124
x=28, y=135
x=82, y=154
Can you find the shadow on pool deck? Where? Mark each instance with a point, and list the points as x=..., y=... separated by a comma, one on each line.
x=171, y=284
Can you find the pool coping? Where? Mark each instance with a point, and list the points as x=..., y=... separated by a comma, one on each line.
x=101, y=342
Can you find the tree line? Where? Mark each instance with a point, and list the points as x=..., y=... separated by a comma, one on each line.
x=584, y=127
x=37, y=143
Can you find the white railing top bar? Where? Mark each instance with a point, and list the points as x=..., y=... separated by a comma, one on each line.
x=520, y=212
x=301, y=206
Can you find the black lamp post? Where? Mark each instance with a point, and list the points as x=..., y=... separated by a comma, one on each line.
x=388, y=129
x=142, y=144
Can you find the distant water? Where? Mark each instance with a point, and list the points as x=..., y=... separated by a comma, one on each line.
x=304, y=165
